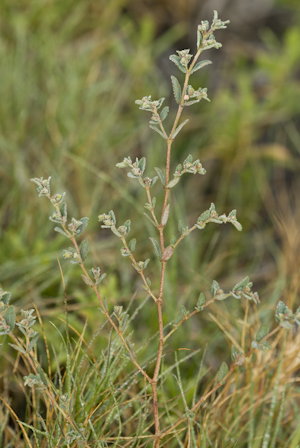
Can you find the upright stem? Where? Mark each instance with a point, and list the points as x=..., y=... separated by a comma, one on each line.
x=159, y=300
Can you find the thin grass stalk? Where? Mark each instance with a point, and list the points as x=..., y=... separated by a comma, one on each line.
x=267, y=435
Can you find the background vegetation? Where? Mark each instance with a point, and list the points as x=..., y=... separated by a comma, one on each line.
x=70, y=72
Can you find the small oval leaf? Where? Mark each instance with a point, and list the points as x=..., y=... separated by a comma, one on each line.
x=176, y=89
x=165, y=217
x=156, y=247
x=223, y=371
x=262, y=332
x=200, y=65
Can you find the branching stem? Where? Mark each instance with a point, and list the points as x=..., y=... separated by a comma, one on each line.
x=159, y=301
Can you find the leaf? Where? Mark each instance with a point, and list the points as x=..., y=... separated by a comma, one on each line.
x=19, y=349
x=127, y=225
x=160, y=101
x=178, y=319
x=216, y=220
x=157, y=130
x=262, y=332
x=33, y=342
x=173, y=182
x=176, y=89
x=264, y=346
x=84, y=247
x=121, y=165
x=151, y=220
x=161, y=176
x=234, y=352
x=130, y=347
x=5, y=297
x=168, y=253
x=132, y=244
x=146, y=262
x=132, y=176
x=83, y=226
x=153, y=181
x=42, y=375
x=164, y=113
x=148, y=281
x=124, y=320
x=113, y=217
x=215, y=287
x=201, y=302
x=241, y=285
x=142, y=164
x=287, y=325
x=100, y=279
x=199, y=38
x=156, y=247
x=59, y=230
x=180, y=226
x=176, y=60
x=183, y=310
x=87, y=280
x=116, y=232
x=165, y=216
x=223, y=371
x=105, y=303
x=179, y=128
x=281, y=308
x=189, y=159
x=237, y=225
x=190, y=103
x=63, y=210
x=10, y=317
x=200, y=65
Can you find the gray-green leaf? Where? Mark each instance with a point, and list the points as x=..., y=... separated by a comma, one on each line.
x=158, y=131
x=156, y=247
x=165, y=216
x=84, y=247
x=87, y=280
x=262, y=332
x=173, y=182
x=33, y=342
x=19, y=349
x=176, y=60
x=200, y=65
x=237, y=225
x=204, y=216
x=59, y=230
x=132, y=244
x=142, y=164
x=160, y=175
x=234, y=352
x=83, y=226
x=176, y=89
x=223, y=371
x=241, y=285
x=179, y=128
x=201, y=302
x=164, y=113
x=10, y=317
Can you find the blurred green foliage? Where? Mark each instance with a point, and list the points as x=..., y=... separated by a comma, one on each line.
x=70, y=74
